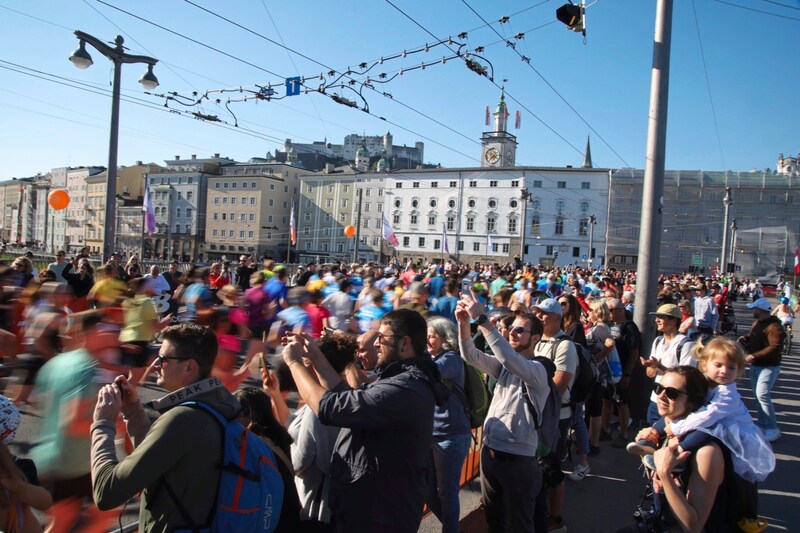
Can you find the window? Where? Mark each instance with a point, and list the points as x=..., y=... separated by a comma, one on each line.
x=216, y=216
x=515, y=183
x=494, y=247
x=344, y=202
x=559, y=207
x=451, y=223
x=583, y=227
x=506, y=248
x=189, y=195
x=453, y=184
x=190, y=179
x=342, y=217
x=460, y=246
x=225, y=185
x=493, y=183
x=253, y=200
x=576, y=251
x=421, y=242
x=431, y=220
x=415, y=185
x=537, y=184
x=241, y=234
x=451, y=204
x=188, y=228
x=308, y=245
x=434, y=184
x=584, y=206
x=242, y=217
x=471, y=202
x=233, y=217
x=470, y=223
x=413, y=218
x=216, y=185
x=490, y=223
x=188, y=212
x=233, y=200
x=244, y=200
x=396, y=218
x=512, y=225
x=234, y=184
x=415, y=203
x=224, y=216
x=433, y=202
x=492, y=203
x=366, y=223
x=244, y=185
x=398, y=203
x=366, y=207
x=375, y=241
x=398, y=185
x=224, y=200
x=406, y=241
x=328, y=203
x=330, y=188
x=251, y=217
x=586, y=185
x=327, y=217
x=549, y=250
x=437, y=244
x=473, y=183
x=251, y=234
x=346, y=188
x=562, y=184
x=253, y=185
x=476, y=247
x=216, y=200
x=271, y=202
x=308, y=202
x=214, y=233
x=380, y=208
x=310, y=189
x=177, y=228
x=367, y=192
x=306, y=230
x=559, y=226
x=306, y=217
x=339, y=247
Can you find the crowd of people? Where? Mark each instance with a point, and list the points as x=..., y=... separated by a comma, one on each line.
x=355, y=375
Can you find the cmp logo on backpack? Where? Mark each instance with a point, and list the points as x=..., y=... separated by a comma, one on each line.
x=268, y=513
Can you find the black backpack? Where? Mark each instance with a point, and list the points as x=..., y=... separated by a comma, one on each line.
x=585, y=376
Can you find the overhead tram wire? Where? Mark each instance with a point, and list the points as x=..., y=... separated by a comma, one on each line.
x=36, y=18
x=534, y=115
x=137, y=101
x=784, y=17
x=550, y=85
x=708, y=84
x=278, y=76
x=780, y=4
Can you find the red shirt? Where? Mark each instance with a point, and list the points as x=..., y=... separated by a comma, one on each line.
x=316, y=314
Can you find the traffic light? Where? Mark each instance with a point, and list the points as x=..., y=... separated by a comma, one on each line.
x=573, y=16
x=555, y=255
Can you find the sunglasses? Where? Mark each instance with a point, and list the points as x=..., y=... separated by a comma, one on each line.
x=672, y=392
x=519, y=330
x=160, y=359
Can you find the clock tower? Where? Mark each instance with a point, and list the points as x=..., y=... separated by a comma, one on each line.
x=498, y=147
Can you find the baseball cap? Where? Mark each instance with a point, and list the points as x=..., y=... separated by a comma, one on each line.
x=761, y=303
x=550, y=305
x=668, y=310
x=9, y=420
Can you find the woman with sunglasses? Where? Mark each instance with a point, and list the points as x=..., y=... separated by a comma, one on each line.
x=701, y=506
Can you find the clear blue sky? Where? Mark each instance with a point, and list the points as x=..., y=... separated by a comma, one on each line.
x=750, y=59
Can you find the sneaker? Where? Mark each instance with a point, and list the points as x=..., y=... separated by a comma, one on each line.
x=579, y=473
x=641, y=447
x=594, y=450
x=772, y=434
x=555, y=524
x=649, y=463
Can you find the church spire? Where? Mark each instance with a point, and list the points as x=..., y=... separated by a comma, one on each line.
x=587, y=155
x=501, y=114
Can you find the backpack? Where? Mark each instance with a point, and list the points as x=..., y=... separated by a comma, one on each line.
x=250, y=491
x=586, y=375
x=475, y=395
x=546, y=422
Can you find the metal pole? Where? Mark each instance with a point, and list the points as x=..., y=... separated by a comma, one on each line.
x=525, y=197
x=733, y=242
x=590, y=255
x=723, y=257
x=653, y=190
x=358, y=226
x=111, y=174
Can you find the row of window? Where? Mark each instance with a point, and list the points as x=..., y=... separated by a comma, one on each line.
x=232, y=234
x=253, y=185
x=243, y=217
x=537, y=184
x=162, y=211
x=491, y=222
x=164, y=195
x=178, y=180
x=162, y=228
x=343, y=217
x=224, y=201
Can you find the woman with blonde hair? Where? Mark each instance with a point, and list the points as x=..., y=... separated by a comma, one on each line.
x=600, y=343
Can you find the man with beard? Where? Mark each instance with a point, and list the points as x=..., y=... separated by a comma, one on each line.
x=511, y=479
x=381, y=460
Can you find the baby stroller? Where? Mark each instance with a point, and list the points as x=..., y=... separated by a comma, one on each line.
x=728, y=321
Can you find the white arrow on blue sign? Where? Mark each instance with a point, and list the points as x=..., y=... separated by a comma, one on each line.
x=293, y=86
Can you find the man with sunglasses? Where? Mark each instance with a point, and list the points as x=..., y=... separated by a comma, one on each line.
x=511, y=479
x=382, y=459
x=669, y=349
x=179, y=453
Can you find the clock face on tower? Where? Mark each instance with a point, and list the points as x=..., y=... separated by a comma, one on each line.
x=492, y=155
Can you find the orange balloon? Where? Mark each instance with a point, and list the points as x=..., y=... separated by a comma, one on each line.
x=58, y=199
x=349, y=231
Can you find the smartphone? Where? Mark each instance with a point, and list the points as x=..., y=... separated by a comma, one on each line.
x=264, y=363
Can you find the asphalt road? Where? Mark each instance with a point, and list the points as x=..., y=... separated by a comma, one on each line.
x=605, y=500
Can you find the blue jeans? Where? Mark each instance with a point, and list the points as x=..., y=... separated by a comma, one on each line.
x=448, y=459
x=581, y=433
x=762, y=379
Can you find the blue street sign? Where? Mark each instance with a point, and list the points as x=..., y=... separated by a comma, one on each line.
x=293, y=86
x=584, y=257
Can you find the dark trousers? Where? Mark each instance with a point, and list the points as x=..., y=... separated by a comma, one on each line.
x=510, y=485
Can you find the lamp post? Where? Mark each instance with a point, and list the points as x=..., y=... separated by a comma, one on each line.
x=116, y=54
x=525, y=197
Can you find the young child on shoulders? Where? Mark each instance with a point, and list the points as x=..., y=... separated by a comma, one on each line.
x=724, y=417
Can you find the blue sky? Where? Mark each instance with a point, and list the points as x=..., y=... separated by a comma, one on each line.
x=749, y=58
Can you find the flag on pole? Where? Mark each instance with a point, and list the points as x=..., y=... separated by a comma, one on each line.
x=489, y=243
x=292, y=228
x=518, y=120
x=444, y=239
x=796, y=261
x=149, y=212
x=487, y=115
x=388, y=234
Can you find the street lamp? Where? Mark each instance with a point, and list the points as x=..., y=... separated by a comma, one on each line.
x=116, y=54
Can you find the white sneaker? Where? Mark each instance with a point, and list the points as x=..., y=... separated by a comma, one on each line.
x=772, y=434
x=579, y=473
